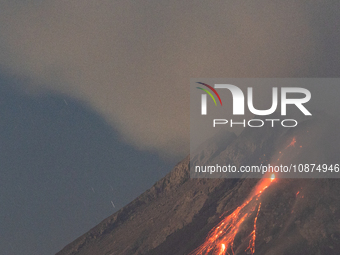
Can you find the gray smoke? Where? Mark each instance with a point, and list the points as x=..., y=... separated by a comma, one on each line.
x=132, y=61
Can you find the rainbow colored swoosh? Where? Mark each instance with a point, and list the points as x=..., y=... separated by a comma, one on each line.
x=208, y=92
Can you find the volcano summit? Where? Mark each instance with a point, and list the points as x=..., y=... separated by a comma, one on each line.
x=268, y=216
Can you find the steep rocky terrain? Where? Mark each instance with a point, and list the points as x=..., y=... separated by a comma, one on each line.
x=174, y=217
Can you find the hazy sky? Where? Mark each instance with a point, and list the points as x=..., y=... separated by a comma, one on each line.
x=130, y=63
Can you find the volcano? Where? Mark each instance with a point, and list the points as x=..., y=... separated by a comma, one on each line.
x=272, y=215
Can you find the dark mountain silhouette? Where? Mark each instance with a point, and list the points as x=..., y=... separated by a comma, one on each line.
x=289, y=216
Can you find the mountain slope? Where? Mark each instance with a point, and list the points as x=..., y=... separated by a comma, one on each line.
x=296, y=216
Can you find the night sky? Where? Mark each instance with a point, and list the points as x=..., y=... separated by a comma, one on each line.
x=61, y=166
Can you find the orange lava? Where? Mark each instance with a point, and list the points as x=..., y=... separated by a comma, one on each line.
x=220, y=240
x=251, y=246
x=222, y=249
x=292, y=143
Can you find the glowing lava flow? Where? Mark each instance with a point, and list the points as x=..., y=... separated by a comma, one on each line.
x=251, y=246
x=220, y=239
x=292, y=143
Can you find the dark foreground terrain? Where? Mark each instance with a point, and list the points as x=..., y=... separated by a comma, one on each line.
x=174, y=217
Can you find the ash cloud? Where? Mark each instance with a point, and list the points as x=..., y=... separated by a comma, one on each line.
x=132, y=61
